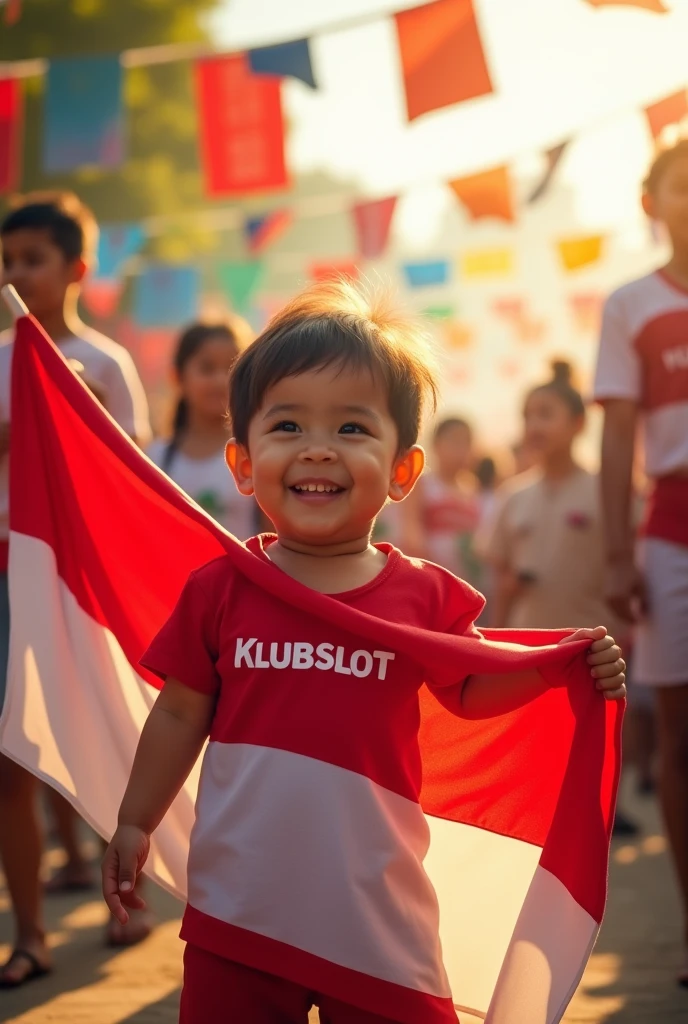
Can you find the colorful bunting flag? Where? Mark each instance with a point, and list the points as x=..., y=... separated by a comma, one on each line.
x=508, y=307
x=292, y=60
x=648, y=5
x=459, y=335
x=242, y=128
x=239, y=282
x=373, y=221
x=10, y=133
x=442, y=56
x=552, y=156
x=439, y=312
x=13, y=10
x=575, y=253
x=427, y=273
x=487, y=263
x=586, y=310
x=487, y=194
x=671, y=110
x=117, y=243
x=166, y=296
x=84, y=114
x=261, y=232
x=101, y=296
x=329, y=270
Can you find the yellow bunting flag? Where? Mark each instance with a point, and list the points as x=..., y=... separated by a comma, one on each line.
x=487, y=194
x=575, y=253
x=671, y=110
x=458, y=335
x=486, y=263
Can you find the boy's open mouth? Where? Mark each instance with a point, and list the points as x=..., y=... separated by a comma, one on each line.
x=317, y=489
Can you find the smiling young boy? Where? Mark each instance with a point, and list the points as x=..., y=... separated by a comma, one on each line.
x=306, y=878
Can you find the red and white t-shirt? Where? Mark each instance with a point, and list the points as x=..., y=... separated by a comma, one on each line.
x=307, y=854
x=644, y=357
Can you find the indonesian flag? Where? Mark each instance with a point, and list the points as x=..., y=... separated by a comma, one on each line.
x=520, y=807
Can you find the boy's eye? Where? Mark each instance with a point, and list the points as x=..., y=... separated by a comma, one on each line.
x=352, y=428
x=288, y=426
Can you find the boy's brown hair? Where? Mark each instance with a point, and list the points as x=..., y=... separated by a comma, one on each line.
x=69, y=222
x=661, y=163
x=335, y=324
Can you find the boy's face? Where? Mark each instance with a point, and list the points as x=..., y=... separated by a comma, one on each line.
x=669, y=202
x=322, y=456
x=38, y=269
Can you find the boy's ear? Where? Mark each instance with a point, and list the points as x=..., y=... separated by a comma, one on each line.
x=79, y=270
x=239, y=462
x=648, y=204
x=406, y=471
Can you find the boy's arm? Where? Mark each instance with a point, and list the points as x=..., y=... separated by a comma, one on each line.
x=486, y=696
x=170, y=743
x=624, y=582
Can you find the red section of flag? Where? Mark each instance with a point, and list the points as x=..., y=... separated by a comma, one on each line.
x=373, y=222
x=487, y=194
x=671, y=110
x=442, y=56
x=241, y=128
x=10, y=133
x=331, y=270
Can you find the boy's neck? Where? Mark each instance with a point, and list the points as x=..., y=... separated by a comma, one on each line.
x=677, y=268
x=329, y=568
x=62, y=323
x=559, y=467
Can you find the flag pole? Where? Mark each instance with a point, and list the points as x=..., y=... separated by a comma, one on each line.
x=16, y=306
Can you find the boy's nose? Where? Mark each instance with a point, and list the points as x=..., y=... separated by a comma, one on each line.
x=318, y=453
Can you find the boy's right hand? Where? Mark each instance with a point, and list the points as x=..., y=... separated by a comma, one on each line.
x=122, y=864
x=625, y=590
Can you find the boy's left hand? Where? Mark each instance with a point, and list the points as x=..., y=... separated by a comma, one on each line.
x=607, y=666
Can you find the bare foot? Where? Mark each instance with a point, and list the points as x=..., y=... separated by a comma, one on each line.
x=138, y=927
x=30, y=960
x=70, y=878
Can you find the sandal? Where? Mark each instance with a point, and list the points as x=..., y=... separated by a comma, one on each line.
x=36, y=969
x=64, y=882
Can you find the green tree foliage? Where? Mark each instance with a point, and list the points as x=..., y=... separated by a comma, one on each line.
x=161, y=174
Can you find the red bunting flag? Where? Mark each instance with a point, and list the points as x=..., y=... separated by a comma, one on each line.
x=10, y=133
x=330, y=270
x=442, y=56
x=487, y=194
x=373, y=222
x=647, y=5
x=12, y=11
x=242, y=128
x=671, y=110
x=101, y=296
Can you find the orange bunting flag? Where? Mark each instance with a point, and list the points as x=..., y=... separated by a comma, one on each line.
x=442, y=56
x=329, y=270
x=647, y=5
x=486, y=195
x=458, y=335
x=671, y=110
x=575, y=253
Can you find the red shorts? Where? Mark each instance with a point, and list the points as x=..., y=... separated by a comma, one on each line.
x=219, y=991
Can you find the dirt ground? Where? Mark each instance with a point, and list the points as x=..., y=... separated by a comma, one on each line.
x=630, y=978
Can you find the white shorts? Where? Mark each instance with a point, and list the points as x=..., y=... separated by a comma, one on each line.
x=660, y=652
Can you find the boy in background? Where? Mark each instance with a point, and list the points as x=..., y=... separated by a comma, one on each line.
x=642, y=378
x=48, y=245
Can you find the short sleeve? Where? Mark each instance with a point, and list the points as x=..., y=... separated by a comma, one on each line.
x=126, y=400
x=618, y=372
x=494, y=540
x=187, y=645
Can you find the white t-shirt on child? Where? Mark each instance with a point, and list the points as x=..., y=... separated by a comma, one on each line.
x=211, y=485
x=105, y=363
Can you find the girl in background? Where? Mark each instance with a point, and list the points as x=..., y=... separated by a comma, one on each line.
x=440, y=516
x=194, y=456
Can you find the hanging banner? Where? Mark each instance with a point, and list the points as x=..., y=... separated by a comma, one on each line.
x=552, y=156
x=84, y=114
x=586, y=311
x=373, y=222
x=241, y=128
x=10, y=133
x=439, y=312
x=487, y=263
x=427, y=273
x=101, y=296
x=332, y=270
x=285, y=60
x=647, y=5
x=487, y=194
x=261, y=232
x=166, y=296
x=575, y=253
x=117, y=243
x=671, y=110
x=442, y=56
x=239, y=282
x=13, y=10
